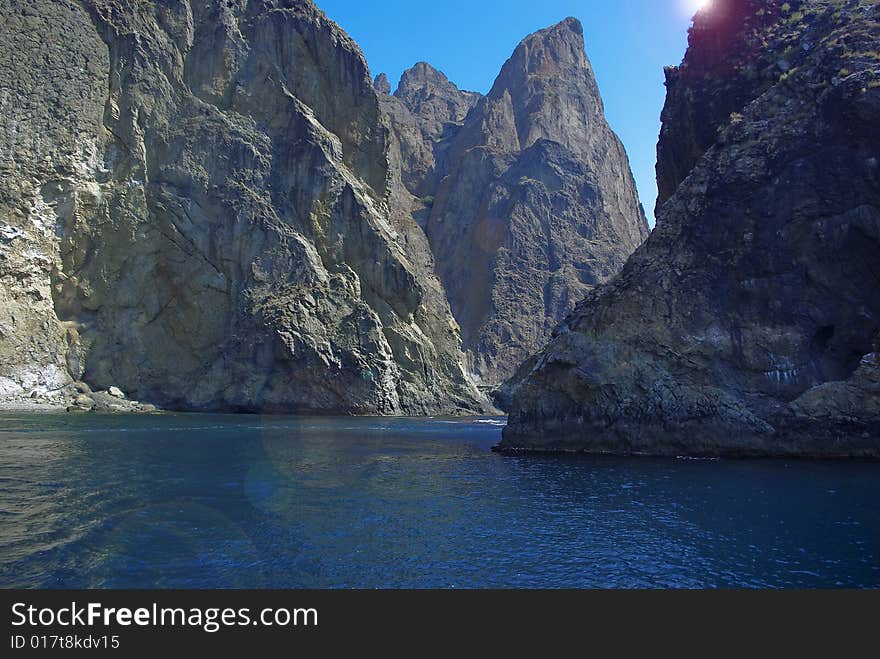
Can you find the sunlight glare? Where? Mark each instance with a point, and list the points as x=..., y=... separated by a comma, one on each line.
x=693, y=6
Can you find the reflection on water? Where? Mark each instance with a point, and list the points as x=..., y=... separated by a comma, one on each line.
x=243, y=501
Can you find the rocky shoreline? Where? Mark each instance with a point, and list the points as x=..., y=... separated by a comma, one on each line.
x=178, y=223
x=77, y=397
x=848, y=443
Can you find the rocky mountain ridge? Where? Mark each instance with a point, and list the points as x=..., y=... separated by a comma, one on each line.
x=525, y=194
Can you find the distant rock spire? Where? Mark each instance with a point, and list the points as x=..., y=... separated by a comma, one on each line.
x=536, y=202
x=429, y=95
x=381, y=84
x=552, y=88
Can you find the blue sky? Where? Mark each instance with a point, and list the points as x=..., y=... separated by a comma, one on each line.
x=628, y=41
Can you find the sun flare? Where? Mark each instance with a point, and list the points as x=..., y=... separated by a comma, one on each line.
x=693, y=6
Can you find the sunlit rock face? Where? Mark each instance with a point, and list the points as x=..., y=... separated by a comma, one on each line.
x=526, y=194
x=196, y=205
x=749, y=322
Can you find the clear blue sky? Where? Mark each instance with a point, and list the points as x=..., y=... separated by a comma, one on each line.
x=628, y=41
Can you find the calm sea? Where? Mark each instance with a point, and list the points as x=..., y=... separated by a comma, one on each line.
x=212, y=501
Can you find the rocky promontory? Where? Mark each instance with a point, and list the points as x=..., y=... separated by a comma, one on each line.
x=749, y=322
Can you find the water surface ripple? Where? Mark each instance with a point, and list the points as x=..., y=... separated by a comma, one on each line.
x=211, y=501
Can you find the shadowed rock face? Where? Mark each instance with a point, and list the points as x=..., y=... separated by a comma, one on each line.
x=196, y=205
x=425, y=112
x=433, y=99
x=381, y=84
x=526, y=194
x=749, y=322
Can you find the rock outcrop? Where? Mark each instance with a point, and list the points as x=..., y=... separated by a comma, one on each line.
x=749, y=322
x=526, y=194
x=434, y=100
x=196, y=205
x=381, y=84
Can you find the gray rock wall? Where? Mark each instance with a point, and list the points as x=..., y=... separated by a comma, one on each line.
x=196, y=205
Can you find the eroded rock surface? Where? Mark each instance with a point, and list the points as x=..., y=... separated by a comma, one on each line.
x=196, y=206
x=526, y=194
x=749, y=321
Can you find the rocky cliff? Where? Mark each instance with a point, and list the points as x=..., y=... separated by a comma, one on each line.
x=197, y=204
x=749, y=322
x=526, y=195
x=425, y=112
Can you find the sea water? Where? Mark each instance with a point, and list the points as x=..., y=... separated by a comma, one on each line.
x=216, y=501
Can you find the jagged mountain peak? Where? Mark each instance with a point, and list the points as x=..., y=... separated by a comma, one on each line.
x=423, y=78
x=556, y=49
x=420, y=73
x=537, y=198
x=428, y=93
x=381, y=84
x=566, y=28
x=551, y=88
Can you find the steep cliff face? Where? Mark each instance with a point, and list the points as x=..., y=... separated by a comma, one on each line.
x=749, y=322
x=528, y=199
x=702, y=93
x=196, y=205
x=425, y=112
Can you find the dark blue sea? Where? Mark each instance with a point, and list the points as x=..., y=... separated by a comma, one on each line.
x=218, y=501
